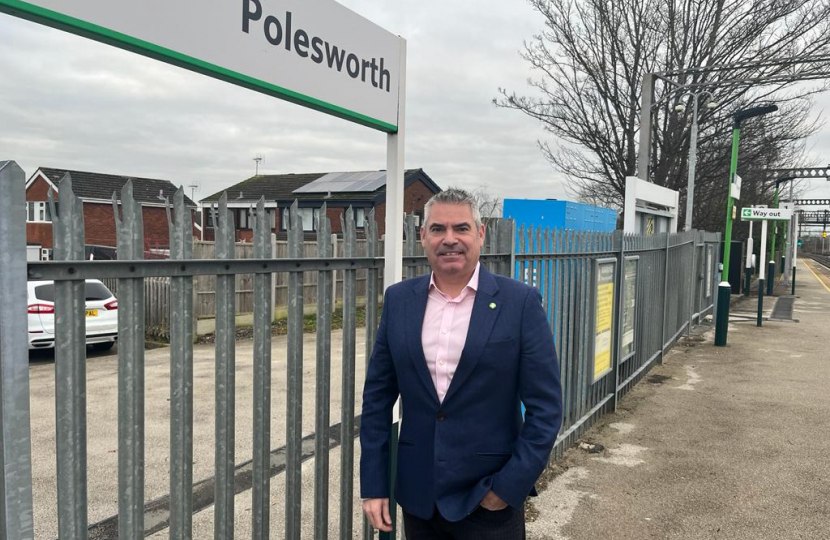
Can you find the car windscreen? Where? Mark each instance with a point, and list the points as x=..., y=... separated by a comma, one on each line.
x=93, y=291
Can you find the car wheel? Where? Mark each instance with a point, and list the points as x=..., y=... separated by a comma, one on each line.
x=103, y=346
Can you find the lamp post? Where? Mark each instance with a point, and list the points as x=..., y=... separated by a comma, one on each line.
x=690, y=184
x=724, y=289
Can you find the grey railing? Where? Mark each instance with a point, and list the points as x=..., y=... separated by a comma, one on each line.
x=662, y=287
x=663, y=283
x=70, y=270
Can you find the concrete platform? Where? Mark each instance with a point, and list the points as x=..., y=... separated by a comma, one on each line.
x=728, y=443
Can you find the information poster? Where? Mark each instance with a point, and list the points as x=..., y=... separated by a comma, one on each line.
x=604, y=316
x=629, y=305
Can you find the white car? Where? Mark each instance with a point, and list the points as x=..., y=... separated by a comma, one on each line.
x=101, y=315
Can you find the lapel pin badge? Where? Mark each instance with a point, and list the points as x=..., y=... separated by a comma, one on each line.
x=492, y=305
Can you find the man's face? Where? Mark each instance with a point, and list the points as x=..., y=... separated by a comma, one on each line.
x=451, y=240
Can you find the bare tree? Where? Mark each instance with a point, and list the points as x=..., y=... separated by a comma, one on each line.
x=589, y=62
x=489, y=205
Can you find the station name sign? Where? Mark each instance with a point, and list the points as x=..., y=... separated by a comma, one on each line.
x=768, y=214
x=315, y=53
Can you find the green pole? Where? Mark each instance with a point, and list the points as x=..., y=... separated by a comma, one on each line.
x=733, y=169
x=724, y=288
x=775, y=224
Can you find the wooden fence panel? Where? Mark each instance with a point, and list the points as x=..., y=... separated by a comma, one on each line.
x=157, y=290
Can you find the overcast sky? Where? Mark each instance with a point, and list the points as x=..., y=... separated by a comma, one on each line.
x=68, y=102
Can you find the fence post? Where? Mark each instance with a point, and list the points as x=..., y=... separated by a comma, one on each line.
x=261, y=481
x=334, y=273
x=294, y=379
x=692, y=282
x=619, y=236
x=130, y=234
x=322, y=395
x=273, y=281
x=665, y=298
x=506, y=243
x=15, y=437
x=409, y=245
x=347, y=395
x=70, y=368
x=225, y=369
x=182, y=334
x=372, y=250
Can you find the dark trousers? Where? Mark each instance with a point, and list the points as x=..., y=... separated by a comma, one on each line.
x=482, y=524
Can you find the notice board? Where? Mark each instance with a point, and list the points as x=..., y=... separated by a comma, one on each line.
x=605, y=271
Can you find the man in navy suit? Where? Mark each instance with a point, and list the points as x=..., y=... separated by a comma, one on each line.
x=463, y=348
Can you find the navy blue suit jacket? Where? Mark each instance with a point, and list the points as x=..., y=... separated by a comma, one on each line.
x=450, y=454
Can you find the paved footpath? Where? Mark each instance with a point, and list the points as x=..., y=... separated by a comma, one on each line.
x=730, y=443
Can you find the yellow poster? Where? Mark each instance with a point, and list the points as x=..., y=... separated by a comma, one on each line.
x=604, y=320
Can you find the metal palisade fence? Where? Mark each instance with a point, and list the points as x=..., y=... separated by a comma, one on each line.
x=615, y=303
x=157, y=289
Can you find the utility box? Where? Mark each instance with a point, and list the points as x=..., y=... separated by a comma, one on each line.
x=556, y=214
x=32, y=253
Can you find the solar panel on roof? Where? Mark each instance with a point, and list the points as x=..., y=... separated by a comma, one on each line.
x=346, y=182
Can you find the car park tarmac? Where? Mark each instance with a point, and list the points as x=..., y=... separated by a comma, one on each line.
x=102, y=432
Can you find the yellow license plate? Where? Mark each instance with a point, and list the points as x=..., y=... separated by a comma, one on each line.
x=92, y=313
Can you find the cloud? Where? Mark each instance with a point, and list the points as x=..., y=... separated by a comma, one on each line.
x=70, y=102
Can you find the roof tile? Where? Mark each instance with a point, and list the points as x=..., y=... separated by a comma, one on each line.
x=90, y=185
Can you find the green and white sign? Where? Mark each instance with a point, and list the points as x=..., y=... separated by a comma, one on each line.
x=762, y=214
x=315, y=53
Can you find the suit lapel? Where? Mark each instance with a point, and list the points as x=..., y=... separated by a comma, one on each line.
x=485, y=312
x=415, y=309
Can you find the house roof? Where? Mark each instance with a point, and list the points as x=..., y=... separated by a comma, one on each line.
x=270, y=186
x=90, y=185
x=281, y=187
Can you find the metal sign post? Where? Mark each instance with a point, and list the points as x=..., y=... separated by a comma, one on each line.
x=795, y=248
x=763, y=215
x=761, y=272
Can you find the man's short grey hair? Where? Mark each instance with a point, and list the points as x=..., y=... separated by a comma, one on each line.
x=454, y=196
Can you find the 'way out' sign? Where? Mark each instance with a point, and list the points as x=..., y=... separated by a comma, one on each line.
x=761, y=214
x=315, y=53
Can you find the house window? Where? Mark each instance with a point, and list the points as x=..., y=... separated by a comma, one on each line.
x=39, y=212
x=241, y=218
x=360, y=218
x=308, y=215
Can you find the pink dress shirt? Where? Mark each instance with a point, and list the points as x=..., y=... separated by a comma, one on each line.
x=444, y=331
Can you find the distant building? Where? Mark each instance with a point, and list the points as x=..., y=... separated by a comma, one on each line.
x=362, y=190
x=95, y=191
x=556, y=214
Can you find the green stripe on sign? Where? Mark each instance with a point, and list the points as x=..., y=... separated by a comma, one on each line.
x=47, y=17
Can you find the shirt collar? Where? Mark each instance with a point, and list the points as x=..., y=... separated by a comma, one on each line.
x=472, y=284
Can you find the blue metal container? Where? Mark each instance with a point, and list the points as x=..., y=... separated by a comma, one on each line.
x=557, y=214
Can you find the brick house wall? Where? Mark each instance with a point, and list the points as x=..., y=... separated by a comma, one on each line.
x=38, y=191
x=39, y=233
x=415, y=197
x=99, y=222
